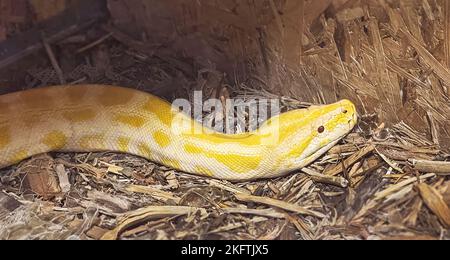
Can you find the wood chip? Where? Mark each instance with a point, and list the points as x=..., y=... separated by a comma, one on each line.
x=146, y=214
x=40, y=176
x=384, y=193
x=435, y=202
x=270, y=213
x=96, y=232
x=327, y=179
x=427, y=57
x=350, y=161
x=114, y=203
x=278, y=204
x=114, y=169
x=232, y=226
x=227, y=186
x=63, y=178
x=155, y=193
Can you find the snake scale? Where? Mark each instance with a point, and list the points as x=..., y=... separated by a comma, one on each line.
x=95, y=118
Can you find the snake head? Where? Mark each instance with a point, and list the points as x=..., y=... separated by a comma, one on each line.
x=336, y=121
x=331, y=123
x=317, y=129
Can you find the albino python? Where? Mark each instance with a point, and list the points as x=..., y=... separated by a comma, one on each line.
x=94, y=118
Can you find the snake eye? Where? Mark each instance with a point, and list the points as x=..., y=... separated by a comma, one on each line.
x=321, y=129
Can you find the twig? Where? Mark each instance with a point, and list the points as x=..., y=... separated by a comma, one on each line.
x=447, y=33
x=433, y=128
x=350, y=161
x=271, y=213
x=383, y=194
x=278, y=204
x=95, y=43
x=227, y=186
x=155, y=193
x=53, y=60
x=390, y=162
x=327, y=179
x=440, y=168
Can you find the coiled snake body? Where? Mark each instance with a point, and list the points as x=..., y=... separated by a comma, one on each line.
x=97, y=118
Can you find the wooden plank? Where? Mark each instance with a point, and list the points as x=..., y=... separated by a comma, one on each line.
x=13, y=14
x=45, y=9
x=70, y=21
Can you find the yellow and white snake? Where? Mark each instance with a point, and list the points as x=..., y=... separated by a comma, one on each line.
x=94, y=118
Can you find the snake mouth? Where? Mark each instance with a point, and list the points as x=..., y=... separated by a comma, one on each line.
x=349, y=109
x=354, y=120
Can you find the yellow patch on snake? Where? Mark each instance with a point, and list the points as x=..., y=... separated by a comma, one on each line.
x=192, y=149
x=218, y=138
x=123, y=143
x=19, y=156
x=161, y=139
x=80, y=115
x=115, y=96
x=144, y=150
x=238, y=163
x=332, y=124
x=300, y=148
x=161, y=109
x=133, y=121
x=5, y=136
x=55, y=140
x=235, y=162
x=171, y=163
x=205, y=171
x=93, y=141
